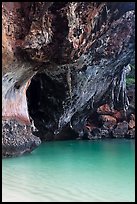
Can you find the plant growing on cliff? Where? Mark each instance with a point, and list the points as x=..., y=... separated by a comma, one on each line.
x=131, y=76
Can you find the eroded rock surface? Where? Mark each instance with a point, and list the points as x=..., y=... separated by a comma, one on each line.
x=110, y=124
x=17, y=139
x=62, y=60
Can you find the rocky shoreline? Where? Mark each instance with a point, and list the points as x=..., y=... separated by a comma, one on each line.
x=110, y=124
x=104, y=123
x=64, y=69
x=17, y=139
x=107, y=122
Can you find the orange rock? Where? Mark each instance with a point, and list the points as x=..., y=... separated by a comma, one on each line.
x=131, y=123
x=108, y=118
x=108, y=121
x=90, y=126
x=118, y=115
x=104, y=109
x=132, y=117
x=14, y=104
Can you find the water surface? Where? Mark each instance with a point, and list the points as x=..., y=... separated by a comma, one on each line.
x=72, y=171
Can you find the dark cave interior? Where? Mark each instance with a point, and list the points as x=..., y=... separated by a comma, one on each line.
x=45, y=105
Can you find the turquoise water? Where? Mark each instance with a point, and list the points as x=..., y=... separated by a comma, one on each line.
x=90, y=171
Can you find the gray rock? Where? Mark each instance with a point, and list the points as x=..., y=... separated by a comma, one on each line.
x=17, y=139
x=121, y=130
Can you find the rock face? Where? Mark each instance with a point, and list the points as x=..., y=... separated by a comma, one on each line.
x=62, y=60
x=110, y=124
x=17, y=139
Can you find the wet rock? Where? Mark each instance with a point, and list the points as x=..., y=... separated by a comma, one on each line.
x=121, y=130
x=49, y=136
x=66, y=134
x=17, y=139
x=95, y=134
x=105, y=133
x=131, y=134
x=99, y=133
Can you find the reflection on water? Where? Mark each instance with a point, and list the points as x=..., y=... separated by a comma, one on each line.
x=72, y=171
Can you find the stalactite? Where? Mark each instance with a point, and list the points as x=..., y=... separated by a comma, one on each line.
x=69, y=81
x=121, y=95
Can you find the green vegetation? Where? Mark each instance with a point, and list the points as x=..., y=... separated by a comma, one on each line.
x=131, y=77
x=130, y=81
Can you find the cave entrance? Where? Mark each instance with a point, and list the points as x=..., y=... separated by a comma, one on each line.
x=45, y=98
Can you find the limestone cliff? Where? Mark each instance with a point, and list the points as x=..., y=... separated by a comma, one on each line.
x=61, y=61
